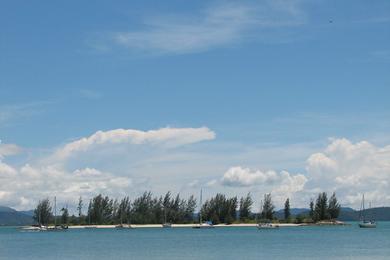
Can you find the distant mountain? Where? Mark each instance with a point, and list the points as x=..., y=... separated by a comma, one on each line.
x=11, y=217
x=379, y=214
x=346, y=214
x=294, y=212
x=28, y=212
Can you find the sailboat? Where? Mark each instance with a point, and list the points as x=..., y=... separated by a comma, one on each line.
x=363, y=222
x=123, y=226
x=166, y=224
x=56, y=227
x=264, y=224
x=206, y=224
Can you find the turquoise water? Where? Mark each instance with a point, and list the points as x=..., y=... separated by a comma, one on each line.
x=348, y=242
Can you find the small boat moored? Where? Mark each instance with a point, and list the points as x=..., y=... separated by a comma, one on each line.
x=267, y=226
x=207, y=224
x=363, y=222
x=367, y=224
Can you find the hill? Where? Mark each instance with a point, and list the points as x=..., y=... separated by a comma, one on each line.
x=11, y=217
x=379, y=214
x=346, y=214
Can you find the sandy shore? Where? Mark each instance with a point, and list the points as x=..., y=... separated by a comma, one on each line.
x=181, y=226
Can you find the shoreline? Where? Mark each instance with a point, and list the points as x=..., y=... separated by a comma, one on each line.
x=136, y=226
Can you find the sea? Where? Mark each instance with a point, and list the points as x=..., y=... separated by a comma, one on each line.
x=314, y=242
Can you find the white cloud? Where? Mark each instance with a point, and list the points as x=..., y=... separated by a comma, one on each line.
x=167, y=137
x=219, y=25
x=281, y=185
x=6, y=171
x=22, y=188
x=352, y=169
x=238, y=176
x=9, y=149
x=69, y=177
x=349, y=169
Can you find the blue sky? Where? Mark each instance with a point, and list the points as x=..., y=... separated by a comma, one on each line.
x=265, y=76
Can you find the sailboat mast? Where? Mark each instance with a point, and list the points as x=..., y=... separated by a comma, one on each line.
x=55, y=211
x=200, y=208
x=363, y=213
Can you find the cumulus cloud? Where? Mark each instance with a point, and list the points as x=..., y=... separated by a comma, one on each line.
x=281, y=184
x=22, y=187
x=349, y=169
x=352, y=169
x=168, y=137
x=69, y=176
x=245, y=177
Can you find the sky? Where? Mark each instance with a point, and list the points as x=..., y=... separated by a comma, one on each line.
x=118, y=97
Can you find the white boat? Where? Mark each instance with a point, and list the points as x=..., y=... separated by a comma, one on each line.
x=364, y=223
x=56, y=227
x=35, y=228
x=206, y=224
x=166, y=224
x=123, y=226
x=266, y=226
x=367, y=224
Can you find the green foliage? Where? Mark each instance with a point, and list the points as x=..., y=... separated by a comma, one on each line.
x=245, y=207
x=220, y=209
x=333, y=207
x=287, y=213
x=321, y=207
x=43, y=212
x=268, y=207
x=64, y=216
x=145, y=209
x=100, y=210
x=122, y=212
x=299, y=219
x=80, y=206
x=311, y=213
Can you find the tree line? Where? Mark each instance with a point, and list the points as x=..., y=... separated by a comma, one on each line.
x=149, y=209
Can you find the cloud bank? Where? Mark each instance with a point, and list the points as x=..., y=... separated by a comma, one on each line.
x=350, y=169
x=22, y=186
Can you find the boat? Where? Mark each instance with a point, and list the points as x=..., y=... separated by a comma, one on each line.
x=56, y=227
x=123, y=226
x=205, y=224
x=267, y=224
x=40, y=227
x=364, y=223
x=89, y=226
x=34, y=228
x=166, y=224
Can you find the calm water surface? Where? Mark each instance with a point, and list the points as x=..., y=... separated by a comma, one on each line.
x=349, y=242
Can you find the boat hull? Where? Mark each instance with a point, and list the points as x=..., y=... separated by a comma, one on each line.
x=367, y=225
x=203, y=226
x=267, y=226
